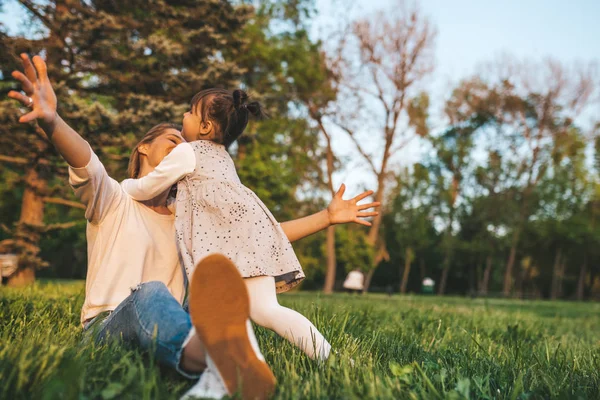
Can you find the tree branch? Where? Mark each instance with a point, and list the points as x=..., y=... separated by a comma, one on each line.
x=25, y=161
x=65, y=225
x=15, y=160
x=6, y=229
x=68, y=203
x=360, y=149
x=401, y=145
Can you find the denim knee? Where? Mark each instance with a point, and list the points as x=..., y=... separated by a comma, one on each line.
x=149, y=289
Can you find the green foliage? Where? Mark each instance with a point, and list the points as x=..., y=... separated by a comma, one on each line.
x=352, y=249
x=401, y=347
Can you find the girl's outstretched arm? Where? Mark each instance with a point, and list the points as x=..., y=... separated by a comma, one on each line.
x=177, y=164
x=339, y=211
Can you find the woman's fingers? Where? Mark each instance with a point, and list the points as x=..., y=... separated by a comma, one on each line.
x=368, y=205
x=28, y=67
x=40, y=67
x=25, y=100
x=363, y=195
x=28, y=117
x=26, y=84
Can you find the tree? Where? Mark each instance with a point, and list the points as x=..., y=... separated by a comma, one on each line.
x=541, y=102
x=531, y=105
x=385, y=59
x=408, y=224
x=453, y=150
x=116, y=67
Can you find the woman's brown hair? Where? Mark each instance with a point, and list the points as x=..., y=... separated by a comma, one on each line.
x=133, y=170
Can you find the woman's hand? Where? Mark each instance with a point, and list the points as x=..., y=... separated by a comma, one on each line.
x=342, y=211
x=39, y=95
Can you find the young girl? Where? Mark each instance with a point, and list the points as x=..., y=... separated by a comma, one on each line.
x=215, y=213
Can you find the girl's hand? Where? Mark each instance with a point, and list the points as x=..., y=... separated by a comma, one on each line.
x=39, y=95
x=342, y=211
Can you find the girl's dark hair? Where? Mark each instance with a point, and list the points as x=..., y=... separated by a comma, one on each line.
x=135, y=163
x=228, y=111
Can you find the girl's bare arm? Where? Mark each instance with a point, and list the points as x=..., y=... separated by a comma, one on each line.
x=339, y=211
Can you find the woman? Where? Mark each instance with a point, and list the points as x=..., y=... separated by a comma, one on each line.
x=135, y=285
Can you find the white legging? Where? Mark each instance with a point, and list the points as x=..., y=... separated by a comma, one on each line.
x=266, y=311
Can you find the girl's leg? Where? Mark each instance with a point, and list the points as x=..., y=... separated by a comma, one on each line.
x=266, y=311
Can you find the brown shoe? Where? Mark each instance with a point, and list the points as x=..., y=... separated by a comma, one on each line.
x=220, y=309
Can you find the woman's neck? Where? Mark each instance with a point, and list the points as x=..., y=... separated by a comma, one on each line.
x=159, y=203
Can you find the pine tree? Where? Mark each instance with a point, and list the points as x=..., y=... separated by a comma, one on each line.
x=118, y=68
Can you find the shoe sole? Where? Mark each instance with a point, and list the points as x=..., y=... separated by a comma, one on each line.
x=219, y=309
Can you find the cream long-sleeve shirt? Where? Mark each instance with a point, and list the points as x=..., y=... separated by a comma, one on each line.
x=128, y=243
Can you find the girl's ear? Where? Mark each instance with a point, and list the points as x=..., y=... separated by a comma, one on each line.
x=206, y=127
x=143, y=149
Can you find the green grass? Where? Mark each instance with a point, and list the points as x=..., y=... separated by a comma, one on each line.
x=403, y=347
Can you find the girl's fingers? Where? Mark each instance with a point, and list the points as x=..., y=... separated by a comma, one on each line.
x=40, y=66
x=28, y=117
x=368, y=205
x=28, y=67
x=362, y=222
x=367, y=214
x=340, y=191
x=26, y=84
x=19, y=97
x=363, y=195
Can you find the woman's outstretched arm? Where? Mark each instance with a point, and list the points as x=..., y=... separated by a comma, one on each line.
x=339, y=211
x=36, y=85
x=92, y=185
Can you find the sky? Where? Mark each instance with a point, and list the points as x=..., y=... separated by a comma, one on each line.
x=474, y=31
x=470, y=32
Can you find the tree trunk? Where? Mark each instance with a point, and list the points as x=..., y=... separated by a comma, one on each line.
x=407, y=264
x=374, y=232
x=555, y=273
x=519, y=280
x=26, y=237
x=23, y=277
x=486, y=276
x=422, y=269
x=581, y=282
x=380, y=256
x=444, y=279
x=478, y=277
x=331, y=257
x=448, y=244
x=331, y=261
x=472, y=279
x=368, y=280
x=561, y=275
x=508, y=273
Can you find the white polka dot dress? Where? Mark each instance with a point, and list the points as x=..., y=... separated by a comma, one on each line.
x=215, y=213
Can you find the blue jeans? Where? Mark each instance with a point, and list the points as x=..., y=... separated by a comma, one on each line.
x=149, y=318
